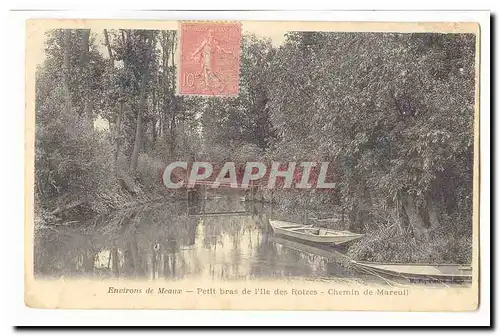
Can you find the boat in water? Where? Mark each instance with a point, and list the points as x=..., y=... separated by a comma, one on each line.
x=422, y=272
x=313, y=234
x=321, y=250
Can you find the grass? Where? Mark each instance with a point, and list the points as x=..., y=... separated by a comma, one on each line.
x=385, y=245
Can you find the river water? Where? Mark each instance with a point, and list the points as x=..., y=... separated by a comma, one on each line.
x=220, y=239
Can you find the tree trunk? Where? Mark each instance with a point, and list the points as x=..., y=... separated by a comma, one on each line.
x=85, y=66
x=172, y=134
x=400, y=214
x=118, y=135
x=125, y=42
x=415, y=220
x=172, y=55
x=357, y=217
x=108, y=46
x=142, y=106
x=166, y=266
x=153, y=121
x=160, y=123
x=115, y=262
x=358, y=213
x=144, y=135
x=154, y=263
x=173, y=101
x=84, y=47
x=165, y=85
x=88, y=262
x=66, y=70
x=433, y=217
x=433, y=214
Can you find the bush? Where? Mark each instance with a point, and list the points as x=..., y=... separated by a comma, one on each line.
x=385, y=245
x=149, y=173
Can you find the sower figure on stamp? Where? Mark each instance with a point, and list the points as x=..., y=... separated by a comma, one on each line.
x=207, y=48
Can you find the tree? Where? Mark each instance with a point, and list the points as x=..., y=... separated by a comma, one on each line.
x=67, y=69
x=242, y=122
x=395, y=110
x=87, y=81
x=150, y=42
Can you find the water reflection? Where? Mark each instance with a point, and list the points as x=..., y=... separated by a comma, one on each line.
x=216, y=239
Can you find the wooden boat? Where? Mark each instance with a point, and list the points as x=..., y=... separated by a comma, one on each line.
x=413, y=272
x=313, y=234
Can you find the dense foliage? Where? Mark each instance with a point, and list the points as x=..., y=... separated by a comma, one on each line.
x=393, y=112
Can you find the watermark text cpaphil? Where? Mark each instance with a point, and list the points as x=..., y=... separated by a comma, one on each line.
x=300, y=175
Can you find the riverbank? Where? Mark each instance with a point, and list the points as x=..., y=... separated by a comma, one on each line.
x=380, y=244
x=388, y=243
x=442, y=247
x=100, y=192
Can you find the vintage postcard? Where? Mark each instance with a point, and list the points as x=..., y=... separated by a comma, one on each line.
x=252, y=165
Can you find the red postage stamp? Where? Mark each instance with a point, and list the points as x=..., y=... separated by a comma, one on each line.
x=209, y=58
